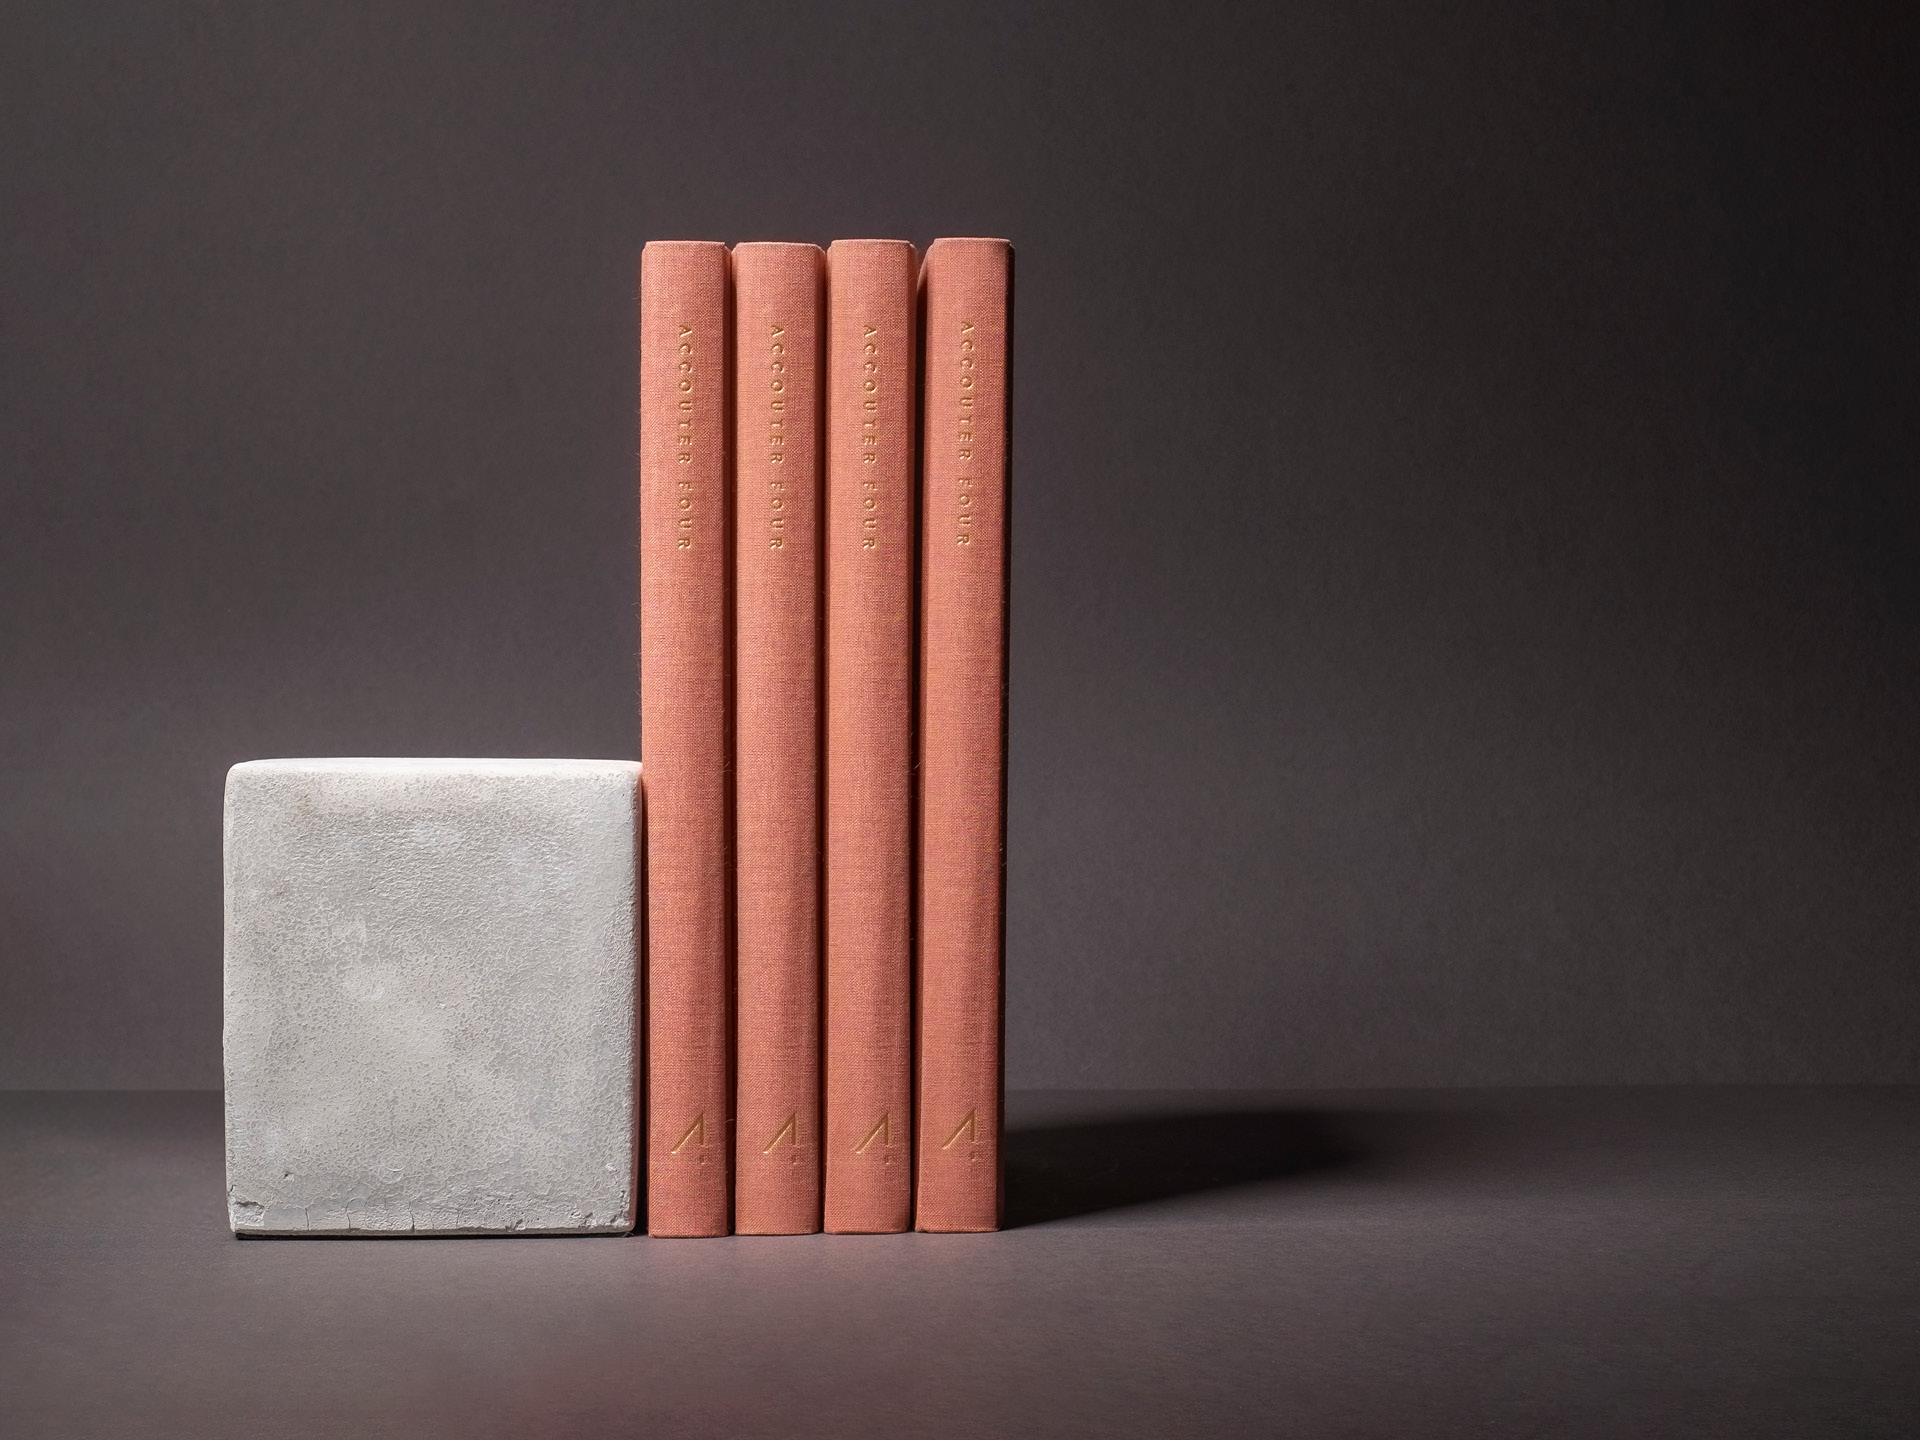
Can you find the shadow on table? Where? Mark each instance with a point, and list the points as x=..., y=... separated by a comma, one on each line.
x=1054, y=1172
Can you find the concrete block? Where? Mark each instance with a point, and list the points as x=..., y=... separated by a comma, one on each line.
x=430, y=974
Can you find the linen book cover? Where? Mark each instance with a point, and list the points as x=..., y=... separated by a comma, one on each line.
x=966, y=289
x=684, y=732
x=778, y=296
x=869, y=552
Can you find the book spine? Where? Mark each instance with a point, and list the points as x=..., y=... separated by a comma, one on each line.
x=963, y=729
x=684, y=742
x=777, y=335
x=871, y=414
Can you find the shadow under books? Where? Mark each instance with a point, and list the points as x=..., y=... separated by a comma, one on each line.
x=1057, y=1171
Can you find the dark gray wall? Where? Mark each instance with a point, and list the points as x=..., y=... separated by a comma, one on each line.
x=1466, y=591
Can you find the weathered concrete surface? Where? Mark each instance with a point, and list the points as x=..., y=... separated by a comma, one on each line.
x=430, y=973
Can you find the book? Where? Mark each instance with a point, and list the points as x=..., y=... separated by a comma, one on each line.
x=967, y=289
x=684, y=741
x=869, y=556
x=778, y=331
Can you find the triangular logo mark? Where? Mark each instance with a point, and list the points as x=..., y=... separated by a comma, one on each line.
x=699, y=1128
x=885, y=1134
x=968, y=1128
x=789, y=1131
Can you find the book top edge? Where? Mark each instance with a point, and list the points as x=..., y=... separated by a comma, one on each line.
x=433, y=765
x=970, y=240
x=777, y=245
x=686, y=245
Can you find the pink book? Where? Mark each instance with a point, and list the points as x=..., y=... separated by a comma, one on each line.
x=967, y=286
x=684, y=540
x=869, y=552
x=778, y=328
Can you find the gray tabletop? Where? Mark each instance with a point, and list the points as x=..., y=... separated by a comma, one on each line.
x=1741, y=1262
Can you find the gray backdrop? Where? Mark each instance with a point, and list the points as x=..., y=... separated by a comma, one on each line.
x=1465, y=587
